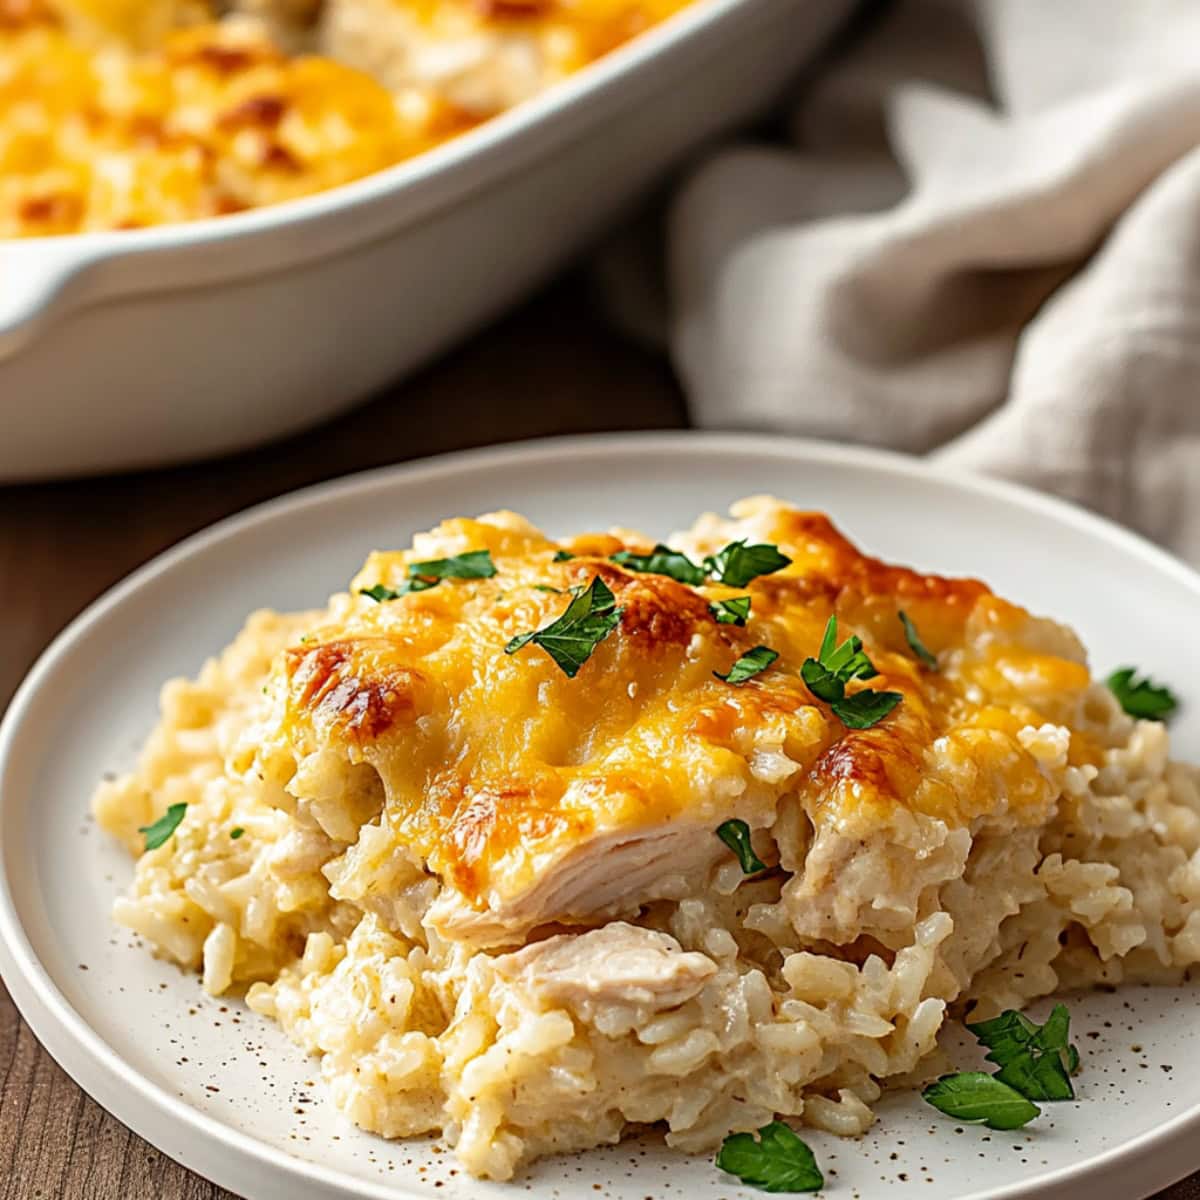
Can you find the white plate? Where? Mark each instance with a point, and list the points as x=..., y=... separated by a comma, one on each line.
x=219, y=1089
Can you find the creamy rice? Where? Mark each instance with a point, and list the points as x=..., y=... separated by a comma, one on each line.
x=780, y=999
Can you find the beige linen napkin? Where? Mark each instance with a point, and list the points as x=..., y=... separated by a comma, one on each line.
x=982, y=242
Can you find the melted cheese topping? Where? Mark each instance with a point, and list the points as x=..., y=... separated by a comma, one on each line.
x=117, y=114
x=215, y=121
x=497, y=767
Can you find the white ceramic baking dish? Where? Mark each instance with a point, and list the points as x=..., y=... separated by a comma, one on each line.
x=147, y=347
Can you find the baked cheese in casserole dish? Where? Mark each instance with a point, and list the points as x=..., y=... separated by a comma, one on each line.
x=122, y=114
x=536, y=843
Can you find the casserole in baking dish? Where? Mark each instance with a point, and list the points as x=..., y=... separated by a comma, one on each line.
x=119, y=115
x=140, y=347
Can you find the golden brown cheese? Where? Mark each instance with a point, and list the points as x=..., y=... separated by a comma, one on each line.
x=117, y=114
x=215, y=121
x=499, y=770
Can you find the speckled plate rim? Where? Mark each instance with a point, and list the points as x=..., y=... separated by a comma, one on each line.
x=238, y=1161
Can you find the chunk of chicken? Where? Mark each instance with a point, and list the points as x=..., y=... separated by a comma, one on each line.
x=616, y=965
x=610, y=875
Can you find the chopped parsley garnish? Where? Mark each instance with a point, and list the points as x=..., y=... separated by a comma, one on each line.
x=835, y=666
x=1038, y=1077
x=562, y=556
x=1005, y=1036
x=749, y=665
x=161, y=830
x=475, y=564
x=777, y=1161
x=980, y=1099
x=1037, y=1060
x=736, y=835
x=731, y=612
x=735, y=566
x=379, y=593
x=545, y=587
x=865, y=708
x=738, y=563
x=570, y=639
x=1036, y=1063
x=1140, y=697
x=662, y=560
x=236, y=832
x=915, y=644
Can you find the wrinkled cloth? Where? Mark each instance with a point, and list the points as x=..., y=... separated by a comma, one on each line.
x=980, y=242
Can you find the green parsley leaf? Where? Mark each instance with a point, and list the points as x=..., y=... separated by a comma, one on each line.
x=731, y=612
x=1037, y=1060
x=545, y=587
x=980, y=1099
x=865, y=708
x=1056, y=1033
x=749, y=665
x=1012, y=1033
x=662, y=560
x=1006, y=1036
x=562, y=556
x=736, y=835
x=1141, y=697
x=738, y=563
x=829, y=640
x=475, y=564
x=1038, y=1077
x=570, y=638
x=379, y=593
x=915, y=644
x=161, y=830
x=823, y=683
x=847, y=661
x=236, y=833
x=835, y=666
x=778, y=1161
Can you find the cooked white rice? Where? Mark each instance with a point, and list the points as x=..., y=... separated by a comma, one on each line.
x=794, y=1009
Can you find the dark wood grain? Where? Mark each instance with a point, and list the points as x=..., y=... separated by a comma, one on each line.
x=551, y=368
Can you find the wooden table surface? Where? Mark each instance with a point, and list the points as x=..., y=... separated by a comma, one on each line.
x=552, y=367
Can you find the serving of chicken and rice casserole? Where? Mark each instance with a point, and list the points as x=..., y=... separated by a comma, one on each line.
x=536, y=842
